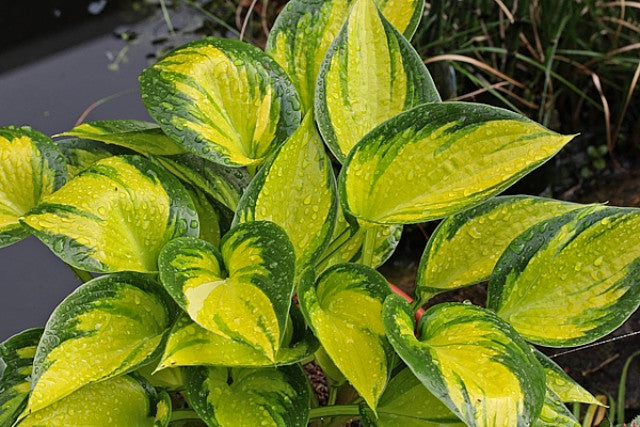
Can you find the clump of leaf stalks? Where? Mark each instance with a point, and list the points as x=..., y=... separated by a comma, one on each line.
x=561, y=63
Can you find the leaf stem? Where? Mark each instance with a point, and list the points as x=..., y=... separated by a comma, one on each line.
x=333, y=394
x=335, y=245
x=333, y=410
x=83, y=276
x=368, y=245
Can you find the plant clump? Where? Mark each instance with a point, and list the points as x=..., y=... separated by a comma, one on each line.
x=287, y=175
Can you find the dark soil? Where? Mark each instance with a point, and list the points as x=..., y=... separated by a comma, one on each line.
x=318, y=381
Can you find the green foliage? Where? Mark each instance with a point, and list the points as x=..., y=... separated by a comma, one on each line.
x=236, y=247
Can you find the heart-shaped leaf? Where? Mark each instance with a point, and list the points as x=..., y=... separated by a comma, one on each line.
x=82, y=153
x=296, y=189
x=369, y=74
x=224, y=184
x=31, y=167
x=242, y=292
x=572, y=279
x=16, y=363
x=192, y=345
x=115, y=216
x=505, y=382
x=438, y=159
x=554, y=413
x=466, y=246
x=304, y=30
x=562, y=384
x=222, y=99
x=344, y=309
x=85, y=340
x=142, y=137
x=125, y=400
x=407, y=402
x=250, y=397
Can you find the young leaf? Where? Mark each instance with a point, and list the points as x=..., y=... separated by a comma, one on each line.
x=223, y=100
x=242, y=292
x=16, y=363
x=82, y=153
x=191, y=345
x=143, y=137
x=170, y=379
x=505, y=382
x=339, y=251
x=466, y=246
x=562, y=384
x=304, y=30
x=554, y=413
x=31, y=167
x=125, y=400
x=224, y=184
x=296, y=189
x=107, y=327
x=438, y=159
x=407, y=402
x=572, y=279
x=343, y=307
x=250, y=397
x=208, y=215
x=370, y=74
x=115, y=216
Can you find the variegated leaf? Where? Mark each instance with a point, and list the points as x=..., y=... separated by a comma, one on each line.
x=304, y=30
x=571, y=279
x=554, y=413
x=82, y=153
x=465, y=247
x=296, y=189
x=250, y=397
x=142, y=137
x=407, y=402
x=242, y=292
x=31, y=167
x=125, y=400
x=223, y=100
x=115, y=216
x=344, y=309
x=404, y=15
x=370, y=74
x=505, y=384
x=224, y=184
x=85, y=340
x=347, y=240
x=438, y=159
x=562, y=384
x=16, y=364
x=192, y=345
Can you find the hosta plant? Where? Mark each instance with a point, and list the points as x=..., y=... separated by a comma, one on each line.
x=236, y=239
